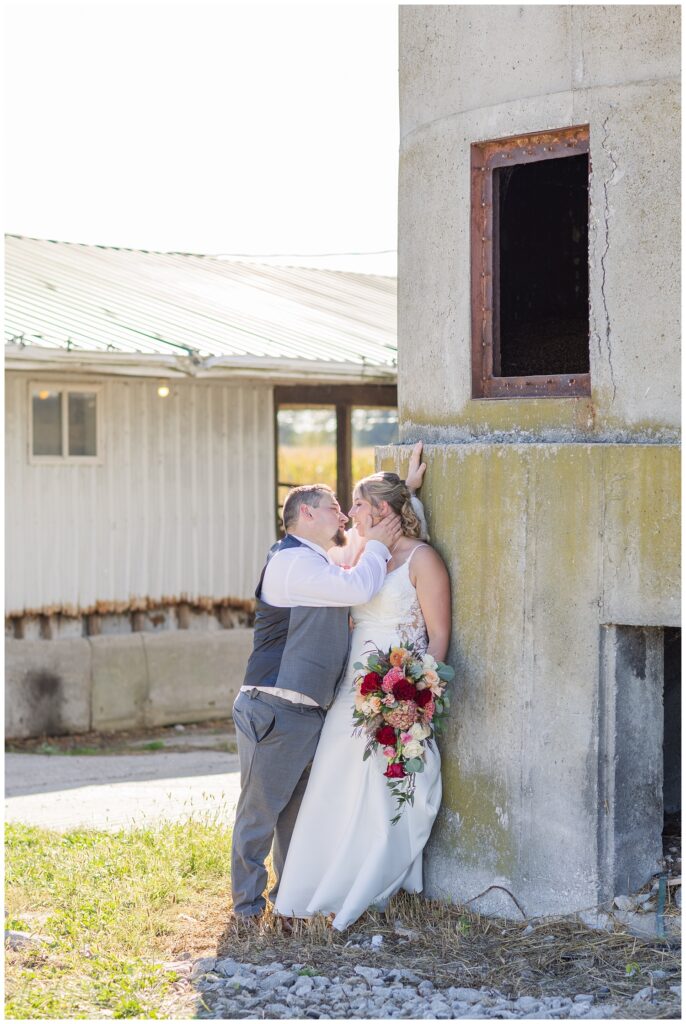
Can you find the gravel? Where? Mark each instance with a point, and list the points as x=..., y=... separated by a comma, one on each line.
x=233, y=990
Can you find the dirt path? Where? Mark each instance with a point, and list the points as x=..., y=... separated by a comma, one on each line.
x=156, y=775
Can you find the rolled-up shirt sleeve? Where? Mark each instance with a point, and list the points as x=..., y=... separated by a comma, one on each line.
x=312, y=581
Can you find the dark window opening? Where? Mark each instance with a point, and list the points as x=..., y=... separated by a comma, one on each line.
x=543, y=267
x=671, y=750
x=529, y=266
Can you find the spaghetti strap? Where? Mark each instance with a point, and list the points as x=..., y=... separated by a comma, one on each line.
x=408, y=560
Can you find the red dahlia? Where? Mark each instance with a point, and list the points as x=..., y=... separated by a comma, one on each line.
x=404, y=690
x=370, y=683
x=386, y=736
x=423, y=697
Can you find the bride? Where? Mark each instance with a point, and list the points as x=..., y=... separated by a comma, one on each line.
x=344, y=854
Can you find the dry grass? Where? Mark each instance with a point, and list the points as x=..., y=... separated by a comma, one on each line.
x=123, y=909
x=452, y=945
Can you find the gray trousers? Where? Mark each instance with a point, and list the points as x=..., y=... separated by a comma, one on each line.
x=276, y=745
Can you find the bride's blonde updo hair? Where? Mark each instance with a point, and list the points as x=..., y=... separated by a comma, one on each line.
x=389, y=487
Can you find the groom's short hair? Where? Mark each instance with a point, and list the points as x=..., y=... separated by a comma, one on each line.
x=308, y=494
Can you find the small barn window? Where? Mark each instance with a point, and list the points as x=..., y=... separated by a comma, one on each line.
x=64, y=423
x=529, y=263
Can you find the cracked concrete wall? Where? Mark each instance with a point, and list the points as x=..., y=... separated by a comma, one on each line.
x=557, y=517
x=545, y=544
x=468, y=74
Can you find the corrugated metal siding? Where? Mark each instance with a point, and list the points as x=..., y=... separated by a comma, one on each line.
x=119, y=300
x=182, y=506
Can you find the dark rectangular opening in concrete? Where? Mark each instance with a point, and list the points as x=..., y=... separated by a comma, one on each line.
x=529, y=265
x=630, y=750
x=542, y=267
x=671, y=751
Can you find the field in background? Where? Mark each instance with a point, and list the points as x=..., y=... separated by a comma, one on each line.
x=317, y=465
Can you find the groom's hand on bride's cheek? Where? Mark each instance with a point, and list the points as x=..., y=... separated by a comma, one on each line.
x=388, y=530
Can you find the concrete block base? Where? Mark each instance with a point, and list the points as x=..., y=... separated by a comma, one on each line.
x=47, y=687
x=54, y=687
x=194, y=676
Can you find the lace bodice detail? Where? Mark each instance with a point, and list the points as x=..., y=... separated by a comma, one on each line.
x=394, y=614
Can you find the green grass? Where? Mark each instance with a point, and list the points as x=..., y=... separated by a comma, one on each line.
x=110, y=906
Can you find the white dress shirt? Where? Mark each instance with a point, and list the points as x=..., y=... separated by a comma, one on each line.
x=304, y=576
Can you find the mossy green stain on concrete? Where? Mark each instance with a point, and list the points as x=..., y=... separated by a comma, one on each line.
x=501, y=414
x=482, y=837
x=544, y=543
x=580, y=417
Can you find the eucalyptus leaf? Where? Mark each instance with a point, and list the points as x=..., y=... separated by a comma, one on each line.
x=415, y=764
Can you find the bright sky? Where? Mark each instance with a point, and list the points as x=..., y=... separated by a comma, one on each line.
x=205, y=127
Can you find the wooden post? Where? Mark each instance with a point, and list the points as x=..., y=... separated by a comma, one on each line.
x=93, y=625
x=137, y=622
x=344, y=455
x=183, y=615
x=46, y=627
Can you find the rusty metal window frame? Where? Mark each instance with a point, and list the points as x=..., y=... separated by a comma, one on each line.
x=485, y=158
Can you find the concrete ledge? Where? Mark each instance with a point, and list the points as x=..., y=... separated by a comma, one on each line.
x=194, y=676
x=120, y=682
x=55, y=687
x=47, y=687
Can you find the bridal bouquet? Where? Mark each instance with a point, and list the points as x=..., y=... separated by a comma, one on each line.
x=400, y=704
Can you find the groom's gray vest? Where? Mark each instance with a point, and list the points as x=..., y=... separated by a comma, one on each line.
x=302, y=649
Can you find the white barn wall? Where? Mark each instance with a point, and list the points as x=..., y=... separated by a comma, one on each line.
x=181, y=507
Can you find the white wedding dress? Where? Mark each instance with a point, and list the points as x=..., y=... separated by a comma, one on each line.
x=345, y=855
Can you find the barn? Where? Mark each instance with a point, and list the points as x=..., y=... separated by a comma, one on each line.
x=142, y=397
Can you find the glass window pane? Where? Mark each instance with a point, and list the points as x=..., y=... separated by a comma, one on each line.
x=369, y=428
x=82, y=429
x=47, y=422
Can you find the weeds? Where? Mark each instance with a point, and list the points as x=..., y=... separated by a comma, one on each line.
x=108, y=910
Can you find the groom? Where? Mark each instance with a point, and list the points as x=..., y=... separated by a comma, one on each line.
x=299, y=654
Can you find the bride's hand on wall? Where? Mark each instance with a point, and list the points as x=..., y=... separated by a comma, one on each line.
x=416, y=470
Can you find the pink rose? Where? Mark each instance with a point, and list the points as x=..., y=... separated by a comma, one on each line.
x=389, y=701
x=392, y=677
x=389, y=752
x=407, y=737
